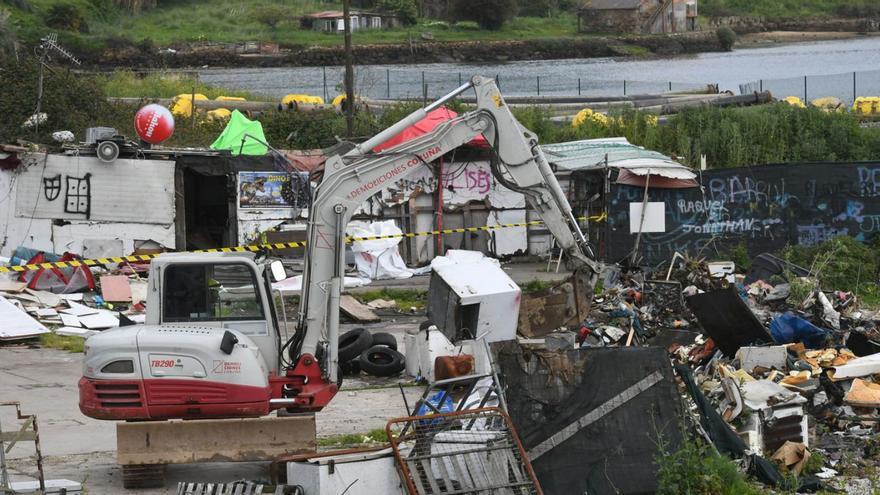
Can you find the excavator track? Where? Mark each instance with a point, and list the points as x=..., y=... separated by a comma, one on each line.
x=143, y=476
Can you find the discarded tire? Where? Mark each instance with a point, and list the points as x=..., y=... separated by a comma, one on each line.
x=382, y=361
x=353, y=343
x=350, y=368
x=386, y=339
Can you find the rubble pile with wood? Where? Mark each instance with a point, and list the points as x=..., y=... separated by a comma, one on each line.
x=776, y=370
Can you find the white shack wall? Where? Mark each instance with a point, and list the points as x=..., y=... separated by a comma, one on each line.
x=463, y=182
x=127, y=201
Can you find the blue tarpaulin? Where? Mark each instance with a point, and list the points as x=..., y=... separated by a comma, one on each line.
x=787, y=328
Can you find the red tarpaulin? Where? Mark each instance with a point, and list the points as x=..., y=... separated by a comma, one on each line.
x=426, y=125
x=631, y=179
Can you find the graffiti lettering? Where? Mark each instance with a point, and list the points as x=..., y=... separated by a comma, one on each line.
x=396, y=171
x=810, y=235
x=869, y=182
x=479, y=180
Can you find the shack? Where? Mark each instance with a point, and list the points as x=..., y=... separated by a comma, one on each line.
x=638, y=16
x=80, y=204
x=331, y=21
x=762, y=208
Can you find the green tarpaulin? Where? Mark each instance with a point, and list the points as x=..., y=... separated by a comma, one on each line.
x=238, y=127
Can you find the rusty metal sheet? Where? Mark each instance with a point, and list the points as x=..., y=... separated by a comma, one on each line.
x=565, y=304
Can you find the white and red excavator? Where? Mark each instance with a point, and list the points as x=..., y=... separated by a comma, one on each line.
x=212, y=345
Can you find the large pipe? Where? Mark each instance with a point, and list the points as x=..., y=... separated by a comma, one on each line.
x=253, y=106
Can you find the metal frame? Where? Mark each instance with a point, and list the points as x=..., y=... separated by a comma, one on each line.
x=27, y=432
x=489, y=459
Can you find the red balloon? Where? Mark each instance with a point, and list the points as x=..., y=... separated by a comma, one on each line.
x=154, y=123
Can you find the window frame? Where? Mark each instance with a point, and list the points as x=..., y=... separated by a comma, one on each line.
x=258, y=296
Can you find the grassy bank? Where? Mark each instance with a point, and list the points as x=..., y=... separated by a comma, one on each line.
x=789, y=8
x=162, y=85
x=103, y=24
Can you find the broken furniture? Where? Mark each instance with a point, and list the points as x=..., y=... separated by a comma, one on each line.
x=474, y=451
x=470, y=297
x=27, y=431
x=727, y=319
x=366, y=471
x=777, y=416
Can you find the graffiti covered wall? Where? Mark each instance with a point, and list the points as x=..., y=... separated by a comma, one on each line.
x=766, y=207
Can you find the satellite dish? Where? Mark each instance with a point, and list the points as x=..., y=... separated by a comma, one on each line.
x=107, y=151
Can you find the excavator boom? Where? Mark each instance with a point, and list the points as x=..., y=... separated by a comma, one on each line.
x=351, y=179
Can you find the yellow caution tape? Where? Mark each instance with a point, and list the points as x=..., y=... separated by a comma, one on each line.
x=140, y=258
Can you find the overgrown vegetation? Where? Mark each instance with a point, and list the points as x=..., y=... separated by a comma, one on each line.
x=726, y=37
x=535, y=285
x=842, y=263
x=62, y=342
x=731, y=137
x=163, y=85
x=95, y=25
x=374, y=436
x=696, y=469
x=788, y=8
x=404, y=298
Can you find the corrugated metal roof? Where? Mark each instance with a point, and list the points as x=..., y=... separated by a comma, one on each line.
x=612, y=4
x=590, y=154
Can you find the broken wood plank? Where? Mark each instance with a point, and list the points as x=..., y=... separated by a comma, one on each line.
x=356, y=310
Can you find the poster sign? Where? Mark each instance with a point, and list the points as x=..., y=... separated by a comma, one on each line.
x=273, y=190
x=654, y=218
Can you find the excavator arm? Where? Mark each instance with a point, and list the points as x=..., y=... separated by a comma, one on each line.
x=352, y=178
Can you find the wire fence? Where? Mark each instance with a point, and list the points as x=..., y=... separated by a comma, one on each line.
x=846, y=86
x=389, y=83
x=522, y=80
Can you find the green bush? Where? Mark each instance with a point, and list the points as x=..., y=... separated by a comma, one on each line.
x=726, y=37
x=66, y=16
x=736, y=137
x=841, y=263
x=489, y=14
x=407, y=10
x=271, y=15
x=696, y=469
x=71, y=101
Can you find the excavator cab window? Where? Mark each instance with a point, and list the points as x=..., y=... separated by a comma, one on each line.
x=211, y=292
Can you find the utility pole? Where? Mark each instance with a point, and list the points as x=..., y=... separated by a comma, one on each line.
x=349, y=69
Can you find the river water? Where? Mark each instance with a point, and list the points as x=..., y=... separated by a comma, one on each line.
x=828, y=65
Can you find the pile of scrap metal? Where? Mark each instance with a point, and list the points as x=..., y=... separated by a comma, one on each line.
x=772, y=372
x=780, y=371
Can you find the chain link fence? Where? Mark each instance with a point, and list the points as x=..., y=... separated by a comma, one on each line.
x=391, y=83
x=845, y=86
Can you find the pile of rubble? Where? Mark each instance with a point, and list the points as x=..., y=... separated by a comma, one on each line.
x=773, y=367
x=72, y=301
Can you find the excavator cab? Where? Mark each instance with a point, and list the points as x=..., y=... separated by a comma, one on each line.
x=208, y=349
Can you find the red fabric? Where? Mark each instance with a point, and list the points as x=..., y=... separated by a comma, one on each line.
x=631, y=179
x=426, y=125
